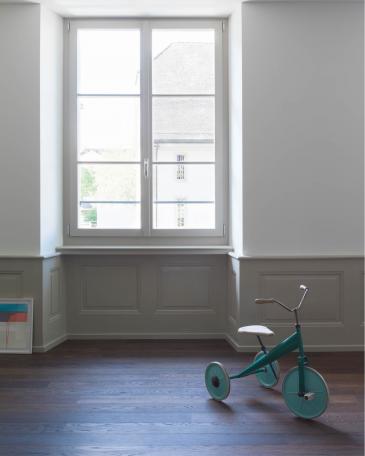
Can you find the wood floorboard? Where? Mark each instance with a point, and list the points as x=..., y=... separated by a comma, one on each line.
x=148, y=398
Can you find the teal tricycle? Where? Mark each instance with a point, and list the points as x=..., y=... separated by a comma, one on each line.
x=305, y=391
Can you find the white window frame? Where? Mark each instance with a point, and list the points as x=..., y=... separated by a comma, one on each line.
x=221, y=127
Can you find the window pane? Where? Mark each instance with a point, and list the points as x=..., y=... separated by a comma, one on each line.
x=183, y=61
x=108, y=61
x=183, y=129
x=184, y=216
x=109, y=128
x=183, y=119
x=188, y=152
x=109, y=183
x=183, y=183
x=110, y=216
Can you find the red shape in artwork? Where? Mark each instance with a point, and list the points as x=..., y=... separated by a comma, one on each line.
x=17, y=317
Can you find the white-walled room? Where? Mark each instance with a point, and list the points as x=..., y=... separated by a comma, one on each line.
x=146, y=206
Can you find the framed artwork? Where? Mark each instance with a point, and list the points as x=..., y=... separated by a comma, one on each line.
x=16, y=325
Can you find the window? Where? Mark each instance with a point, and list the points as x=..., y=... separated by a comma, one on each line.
x=180, y=215
x=146, y=128
x=180, y=174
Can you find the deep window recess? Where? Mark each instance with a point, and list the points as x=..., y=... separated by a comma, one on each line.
x=147, y=128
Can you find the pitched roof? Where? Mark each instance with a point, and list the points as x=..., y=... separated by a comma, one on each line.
x=175, y=68
x=175, y=72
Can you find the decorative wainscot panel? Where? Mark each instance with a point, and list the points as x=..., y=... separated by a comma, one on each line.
x=323, y=304
x=11, y=284
x=185, y=289
x=110, y=289
x=332, y=309
x=55, y=292
x=146, y=296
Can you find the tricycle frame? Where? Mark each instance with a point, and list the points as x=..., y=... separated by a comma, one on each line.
x=291, y=343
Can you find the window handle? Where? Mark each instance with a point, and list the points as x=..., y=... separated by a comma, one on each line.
x=146, y=167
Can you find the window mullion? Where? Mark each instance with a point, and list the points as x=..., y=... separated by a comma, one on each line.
x=146, y=122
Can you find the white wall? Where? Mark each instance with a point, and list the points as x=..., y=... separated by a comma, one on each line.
x=19, y=129
x=51, y=114
x=303, y=128
x=31, y=50
x=235, y=130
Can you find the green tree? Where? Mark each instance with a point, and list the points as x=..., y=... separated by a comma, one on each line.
x=88, y=183
x=90, y=216
x=88, y=188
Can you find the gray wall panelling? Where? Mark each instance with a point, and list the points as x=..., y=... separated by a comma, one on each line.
x=187, y=296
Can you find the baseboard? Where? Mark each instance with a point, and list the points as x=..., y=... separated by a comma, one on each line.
x=308, y=348
x=240, y=348
x=141, y=336
x=50, y=345
x=187, y=336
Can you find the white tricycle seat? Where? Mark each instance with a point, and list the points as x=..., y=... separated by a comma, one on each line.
x=256, y=330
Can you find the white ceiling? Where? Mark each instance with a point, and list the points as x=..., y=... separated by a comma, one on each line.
x=132, y=8
x=146, y=8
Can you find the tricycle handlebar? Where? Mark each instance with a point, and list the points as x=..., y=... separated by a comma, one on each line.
x=272, y=300
x=265, y=301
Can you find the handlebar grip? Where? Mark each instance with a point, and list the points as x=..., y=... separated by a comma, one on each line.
x=264, y=301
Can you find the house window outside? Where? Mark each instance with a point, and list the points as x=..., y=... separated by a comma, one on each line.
x=180, y=215
x=180, y=174
x=131, y=79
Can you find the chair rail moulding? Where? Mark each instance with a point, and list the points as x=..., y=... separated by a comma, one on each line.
x=341, y=256
x=145, y=250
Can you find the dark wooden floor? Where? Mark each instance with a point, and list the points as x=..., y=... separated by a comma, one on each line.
x=148, y=398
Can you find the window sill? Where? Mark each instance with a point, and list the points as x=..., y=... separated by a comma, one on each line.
x=145, y=250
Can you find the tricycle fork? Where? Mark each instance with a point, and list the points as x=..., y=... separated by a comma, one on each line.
x=302, y=361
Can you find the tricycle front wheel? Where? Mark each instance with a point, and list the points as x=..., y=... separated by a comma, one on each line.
x=312, y=404
x=217, y=381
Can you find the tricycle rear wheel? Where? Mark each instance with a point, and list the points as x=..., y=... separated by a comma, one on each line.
x=217, y=381
x=267, y=378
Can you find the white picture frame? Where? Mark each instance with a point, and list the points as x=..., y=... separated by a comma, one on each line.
x=16, y=325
